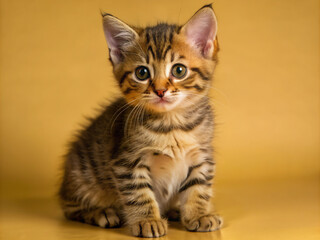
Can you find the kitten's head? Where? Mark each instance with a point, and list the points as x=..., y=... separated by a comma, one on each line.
x=163, y=67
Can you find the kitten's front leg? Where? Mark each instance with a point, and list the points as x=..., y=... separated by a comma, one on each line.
x=195, y=195
x=141, y=210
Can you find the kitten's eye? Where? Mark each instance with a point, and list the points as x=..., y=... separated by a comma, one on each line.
x=179, y=71
x=142, y=73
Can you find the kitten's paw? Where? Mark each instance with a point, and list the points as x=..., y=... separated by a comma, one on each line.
x=108, y=219
x=206, y=223
x=150, y=228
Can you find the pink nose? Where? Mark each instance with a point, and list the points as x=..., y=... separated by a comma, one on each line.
x=160, y=92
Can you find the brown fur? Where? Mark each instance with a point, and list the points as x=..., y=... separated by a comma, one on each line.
x=142, y=159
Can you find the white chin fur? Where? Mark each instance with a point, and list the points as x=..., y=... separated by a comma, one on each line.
x=166, y=106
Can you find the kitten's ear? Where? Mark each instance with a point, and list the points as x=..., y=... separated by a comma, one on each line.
x=201, y=31
x=119, y=37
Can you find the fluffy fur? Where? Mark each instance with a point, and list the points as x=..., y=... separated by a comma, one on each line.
x=148, y=155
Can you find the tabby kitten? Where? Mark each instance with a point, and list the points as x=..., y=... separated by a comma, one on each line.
x=148, y=155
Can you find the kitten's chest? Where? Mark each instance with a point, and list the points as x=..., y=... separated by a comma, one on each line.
x=170, y=163
x=176, y=144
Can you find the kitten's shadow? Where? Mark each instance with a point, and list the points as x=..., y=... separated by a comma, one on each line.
x=73, y=229
x=184, y=234
x=176, y=225
x=48, y=211
x=34, y=208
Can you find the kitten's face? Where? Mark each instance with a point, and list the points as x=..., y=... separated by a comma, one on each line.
x=164, y=67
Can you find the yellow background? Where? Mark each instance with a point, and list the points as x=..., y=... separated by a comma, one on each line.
x=54, y=71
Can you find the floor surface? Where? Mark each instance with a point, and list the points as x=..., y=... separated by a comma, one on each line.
x=274, y=210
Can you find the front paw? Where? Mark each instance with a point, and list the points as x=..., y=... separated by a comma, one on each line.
x=149, y=228
x=207, y=223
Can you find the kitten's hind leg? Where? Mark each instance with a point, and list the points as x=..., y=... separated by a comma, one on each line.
x=102, y=217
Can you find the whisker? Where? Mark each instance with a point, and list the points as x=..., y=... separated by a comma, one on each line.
x=129, y=119
x=212, y=100
x=122, y=109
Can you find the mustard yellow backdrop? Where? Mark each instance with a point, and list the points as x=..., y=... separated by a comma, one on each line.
x=54, y=71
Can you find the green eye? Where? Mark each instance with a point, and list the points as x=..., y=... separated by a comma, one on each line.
x=142, y=73
x=179, y=71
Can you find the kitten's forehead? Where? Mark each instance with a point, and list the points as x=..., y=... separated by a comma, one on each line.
x=161, y=31
x=159, y=39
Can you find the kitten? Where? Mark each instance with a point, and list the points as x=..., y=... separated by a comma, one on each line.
x=148, y=155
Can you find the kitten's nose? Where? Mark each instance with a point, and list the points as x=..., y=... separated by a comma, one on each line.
x=160, y=92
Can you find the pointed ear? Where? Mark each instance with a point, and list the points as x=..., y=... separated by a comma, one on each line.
x=201, y=31
x=119, y=37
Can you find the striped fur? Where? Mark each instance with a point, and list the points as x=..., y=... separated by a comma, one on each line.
x=140, y=159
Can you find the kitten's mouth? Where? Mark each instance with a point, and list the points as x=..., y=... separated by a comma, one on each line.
x=162, y=104
x=162, y=101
